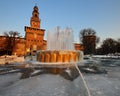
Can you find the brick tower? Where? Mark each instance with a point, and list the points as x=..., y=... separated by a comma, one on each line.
x=34, y=35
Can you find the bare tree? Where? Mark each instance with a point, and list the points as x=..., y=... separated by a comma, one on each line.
x=89, y=39
x=11, y=37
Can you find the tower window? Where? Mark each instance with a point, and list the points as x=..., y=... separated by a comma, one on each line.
x=36, y=15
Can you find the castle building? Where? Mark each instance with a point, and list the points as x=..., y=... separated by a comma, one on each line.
x=34, y=37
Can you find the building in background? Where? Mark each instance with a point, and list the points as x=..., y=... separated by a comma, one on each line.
x=18, y=49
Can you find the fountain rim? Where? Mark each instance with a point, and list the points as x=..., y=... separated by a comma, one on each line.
x=59, y=51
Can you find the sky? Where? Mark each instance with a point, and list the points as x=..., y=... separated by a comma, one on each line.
x=101, y=15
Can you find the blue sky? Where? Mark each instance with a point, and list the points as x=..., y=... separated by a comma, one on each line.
x=101, y=15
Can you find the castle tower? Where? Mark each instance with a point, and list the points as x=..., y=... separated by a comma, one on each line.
x=34, y=35
x=35, y=21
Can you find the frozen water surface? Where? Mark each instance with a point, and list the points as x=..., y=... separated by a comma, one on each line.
x=106, y=84
x=44, y=85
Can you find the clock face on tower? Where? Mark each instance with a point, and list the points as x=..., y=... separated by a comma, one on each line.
x=35, y=24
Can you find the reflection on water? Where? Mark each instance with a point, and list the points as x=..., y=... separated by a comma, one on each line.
x=70, y=73
x=47, y=82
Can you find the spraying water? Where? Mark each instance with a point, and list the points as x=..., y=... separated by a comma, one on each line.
x=60, y=39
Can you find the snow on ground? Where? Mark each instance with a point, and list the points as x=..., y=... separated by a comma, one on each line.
x=10, y=59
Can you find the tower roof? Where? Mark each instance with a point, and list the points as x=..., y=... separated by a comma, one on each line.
x=35, y=14
x=35, y=8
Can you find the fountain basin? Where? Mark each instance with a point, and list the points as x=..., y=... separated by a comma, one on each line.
x=61, y=56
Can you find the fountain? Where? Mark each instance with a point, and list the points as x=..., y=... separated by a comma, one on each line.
x=60, y=52
x=61, y=59
x=60, y=48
